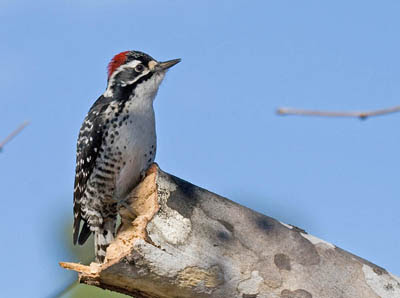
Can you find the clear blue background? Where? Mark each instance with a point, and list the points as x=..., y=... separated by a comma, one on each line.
x=217, y=128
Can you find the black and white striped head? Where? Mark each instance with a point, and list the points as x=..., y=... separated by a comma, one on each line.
x=130, y=69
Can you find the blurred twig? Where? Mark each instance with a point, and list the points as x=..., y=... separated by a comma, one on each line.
x=65, y=291
x=13, y=134
x=360, y=115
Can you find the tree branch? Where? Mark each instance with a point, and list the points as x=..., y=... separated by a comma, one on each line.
x=13, y=134
x=184, y=241
x=361, y=115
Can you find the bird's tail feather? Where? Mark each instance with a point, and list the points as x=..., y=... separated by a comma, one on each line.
x=84, y=234
x=102, y=238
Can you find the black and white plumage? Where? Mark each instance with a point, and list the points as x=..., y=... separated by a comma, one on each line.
x=116, y=144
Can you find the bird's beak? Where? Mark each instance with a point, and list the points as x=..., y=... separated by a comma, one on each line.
x=167, y=64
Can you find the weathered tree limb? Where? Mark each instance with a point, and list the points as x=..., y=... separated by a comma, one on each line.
x=361, y=115
x=187, y=242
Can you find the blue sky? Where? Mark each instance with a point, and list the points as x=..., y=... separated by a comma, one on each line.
x=216, y=123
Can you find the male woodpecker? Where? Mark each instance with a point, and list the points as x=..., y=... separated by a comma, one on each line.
x=116, y=144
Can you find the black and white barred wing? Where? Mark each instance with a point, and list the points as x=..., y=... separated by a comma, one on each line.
x=89, y=143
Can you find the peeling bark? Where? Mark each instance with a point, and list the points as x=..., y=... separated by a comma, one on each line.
x=184, y=241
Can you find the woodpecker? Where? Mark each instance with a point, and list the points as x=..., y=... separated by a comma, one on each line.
x=116, y=144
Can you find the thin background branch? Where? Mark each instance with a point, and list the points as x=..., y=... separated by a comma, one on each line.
x=13, y=134
x=361, y=115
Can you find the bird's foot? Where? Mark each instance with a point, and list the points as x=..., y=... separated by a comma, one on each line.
x=125, y=205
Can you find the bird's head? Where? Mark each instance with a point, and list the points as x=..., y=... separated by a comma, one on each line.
x=131, y=69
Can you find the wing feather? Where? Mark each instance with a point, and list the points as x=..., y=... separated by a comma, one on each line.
x=88, y=147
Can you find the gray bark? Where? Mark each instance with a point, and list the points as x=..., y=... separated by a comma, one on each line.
x=184, y=241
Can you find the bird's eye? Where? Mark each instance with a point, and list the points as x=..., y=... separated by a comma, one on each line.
x=139, y=68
